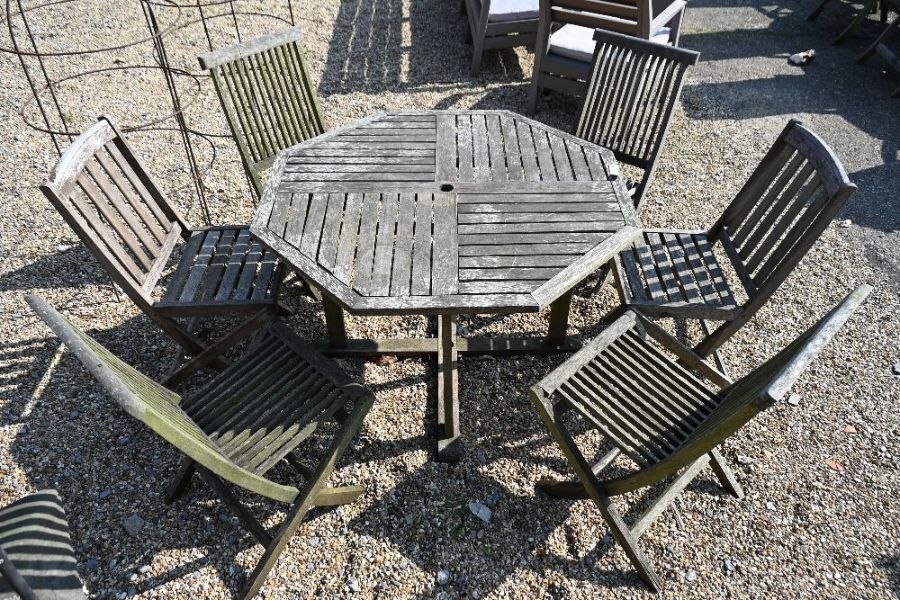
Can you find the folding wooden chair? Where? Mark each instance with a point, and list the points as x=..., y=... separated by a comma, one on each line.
x=657, y=412
x=631, y=94
x=268, y=97
x=242, y=423
x=36, y=557
x=564, y=46
x=499, y=24
x=104, y=193
x=768, y=228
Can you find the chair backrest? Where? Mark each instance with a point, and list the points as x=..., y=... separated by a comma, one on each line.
x=152, y=404
x=747, y=397
x=632, y=91
x=104, y=193
x=631, y=17
x=267, y=95
x=782, y=210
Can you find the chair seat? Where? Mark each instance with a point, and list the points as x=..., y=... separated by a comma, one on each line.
x=264, y=405
x=222, y=267
x=502, y=11
x=676, y=270
x=577, y=42
x=35, y=535
x=644, y=402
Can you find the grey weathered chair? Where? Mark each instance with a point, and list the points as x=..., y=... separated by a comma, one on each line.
x=631, y=94
x=36, y=557
x=767, y=229
x=102, y=190
x=268, y=97
x=250, y=417
x=660, y=413
x=564, y=47
x=880, y=44
x=499, y=24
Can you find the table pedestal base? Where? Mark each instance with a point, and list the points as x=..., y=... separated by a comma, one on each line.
x=446, y=347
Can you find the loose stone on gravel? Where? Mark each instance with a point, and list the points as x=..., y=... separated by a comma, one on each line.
x=133, y=525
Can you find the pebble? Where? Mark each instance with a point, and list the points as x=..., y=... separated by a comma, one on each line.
x=133, y=525
x=794, y=399
x=481, y=511
x=443, y=576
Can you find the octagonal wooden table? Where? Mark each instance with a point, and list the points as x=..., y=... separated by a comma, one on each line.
x=446, y=213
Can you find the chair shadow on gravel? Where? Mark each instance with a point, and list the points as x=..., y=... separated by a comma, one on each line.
x=367, y=53
x=71, y=266
x=891, y=567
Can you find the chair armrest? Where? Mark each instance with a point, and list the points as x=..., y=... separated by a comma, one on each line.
x=663, y=18
x=685, y=355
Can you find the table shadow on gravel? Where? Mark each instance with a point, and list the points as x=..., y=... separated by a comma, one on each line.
x=426, y=517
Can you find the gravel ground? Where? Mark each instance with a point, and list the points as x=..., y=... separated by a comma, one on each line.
x=805, y=529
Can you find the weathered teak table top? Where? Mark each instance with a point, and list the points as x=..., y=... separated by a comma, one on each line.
x=446, y=213
x=443, y=212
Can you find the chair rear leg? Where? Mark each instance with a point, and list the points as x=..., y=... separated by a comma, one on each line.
x=478, y=50
x=179, y=484
x=725, y=474
x=817, y=11
x=880, y=39
x=532, y=97
x=861, y=16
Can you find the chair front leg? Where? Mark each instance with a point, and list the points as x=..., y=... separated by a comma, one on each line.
x=629, y=543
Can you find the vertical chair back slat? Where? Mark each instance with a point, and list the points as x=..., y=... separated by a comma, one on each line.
x=784, y=207
x=632, y=92
x=267, y=95
x=747, y=397
x=105, y=195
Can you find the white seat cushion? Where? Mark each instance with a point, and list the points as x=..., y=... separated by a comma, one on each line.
x=577, y=42
x=513, y=10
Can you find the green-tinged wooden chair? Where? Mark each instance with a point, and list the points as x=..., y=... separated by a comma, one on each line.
x=102, y=190
x=36, y=557
x=661, y=413
x=775, y=219
x=251, y=416
x=268, y=97
x=631, y=95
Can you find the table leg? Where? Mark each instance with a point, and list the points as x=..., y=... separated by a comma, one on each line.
x=559, y=319
x=334, y=323
x=450, y=445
